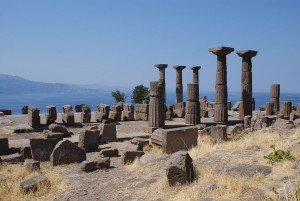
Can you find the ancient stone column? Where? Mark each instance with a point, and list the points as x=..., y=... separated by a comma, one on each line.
x=195, y=70
x=162, y=78
x=156, y=106
x=192, y=108
x=286, y=108
x=246, y=82
x=269, y=109
x=220, y=107
x=298, y=108
x=179, y=90
x=275, y=95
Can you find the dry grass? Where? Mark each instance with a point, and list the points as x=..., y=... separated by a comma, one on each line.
x=254, y=145
x=12, y=175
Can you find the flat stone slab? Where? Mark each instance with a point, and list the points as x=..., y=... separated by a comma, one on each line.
x=20, y=128
x=4, y=119
x=244, y=170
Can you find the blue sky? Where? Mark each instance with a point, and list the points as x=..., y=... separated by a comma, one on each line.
x=112, y=42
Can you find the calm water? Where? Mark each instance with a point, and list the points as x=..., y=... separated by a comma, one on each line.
x=15, y=102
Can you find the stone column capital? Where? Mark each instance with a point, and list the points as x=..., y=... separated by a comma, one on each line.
x=179, y=67
x=246, y=53
x=221, y=51
x=161, y=66
x=195, y=68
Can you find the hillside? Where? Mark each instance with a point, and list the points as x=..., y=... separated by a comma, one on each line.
x=17, y=85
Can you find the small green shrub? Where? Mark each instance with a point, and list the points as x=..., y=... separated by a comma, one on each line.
x=236, y=137
x=278, y=155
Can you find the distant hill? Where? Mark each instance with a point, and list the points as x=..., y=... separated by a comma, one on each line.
x=16, y=85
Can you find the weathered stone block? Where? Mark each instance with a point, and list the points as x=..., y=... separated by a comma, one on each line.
x=141, y=112
x=177, y=139
x=129, y=156
x=108, y=133
x=180, y=169
x=179, y=110
x=32, y=165
x=11, y=158
x=78, y=108
x=88, y=140
x=55, y=128
x=51, y=114
x=86, y=114
x=33, y=184
x=218, y=133
x=88, y=166
x=113, y=152
x=4, y=147
x=103, y=163
x=25, y=152
x=41, y=149
x=66, y=152
x=49, y=134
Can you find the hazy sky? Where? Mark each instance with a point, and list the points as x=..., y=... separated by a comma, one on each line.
x=113, y=42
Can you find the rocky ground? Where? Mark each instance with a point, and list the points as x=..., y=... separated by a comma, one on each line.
x=232, y=170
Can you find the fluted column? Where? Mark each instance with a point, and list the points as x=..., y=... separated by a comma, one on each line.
x=220, y=107
x=179, y=88
x=275, y=95
x=162, y=78
x=192, y=108
x=156, y=105
x=246, y=82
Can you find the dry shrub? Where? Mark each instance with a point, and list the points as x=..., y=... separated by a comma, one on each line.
x=151, y=148
x=12, y=175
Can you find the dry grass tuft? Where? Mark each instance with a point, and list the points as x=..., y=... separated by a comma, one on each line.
x=12, y=175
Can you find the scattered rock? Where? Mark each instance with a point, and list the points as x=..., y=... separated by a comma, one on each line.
x=4, y=147
x=129, y=156
x=32, y=184
x=32, y=165
x=244, y=170
x=208, y=186
x=283, y=124
x=113, y=152
x=26, y=152
x=108, y=133
x=55, y=128
x=41, y=149
x=206, y=199
x=180, y=169
x=88, y=140
x=151, y=158
x=14, y=150
x=88, y=166
x=12, y=158
x=66, y=152
x=103, y=163
x=49, y=134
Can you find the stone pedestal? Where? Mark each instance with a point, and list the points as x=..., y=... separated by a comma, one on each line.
x=269, y=109
x=68, y=116
x=51, y=114
x=33, y=117
x=179, y=88
x=220, y=107
x=102, y=112
x=86, y=114
x=246, y=82
x=275, y=95
x=286, y=109
x=128, y=112
x=156, y=105
x=192, y=108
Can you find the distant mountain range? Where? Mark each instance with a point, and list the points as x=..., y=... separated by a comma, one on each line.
x=16, y=85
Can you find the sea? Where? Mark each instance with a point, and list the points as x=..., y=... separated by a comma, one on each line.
x=15, y=102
